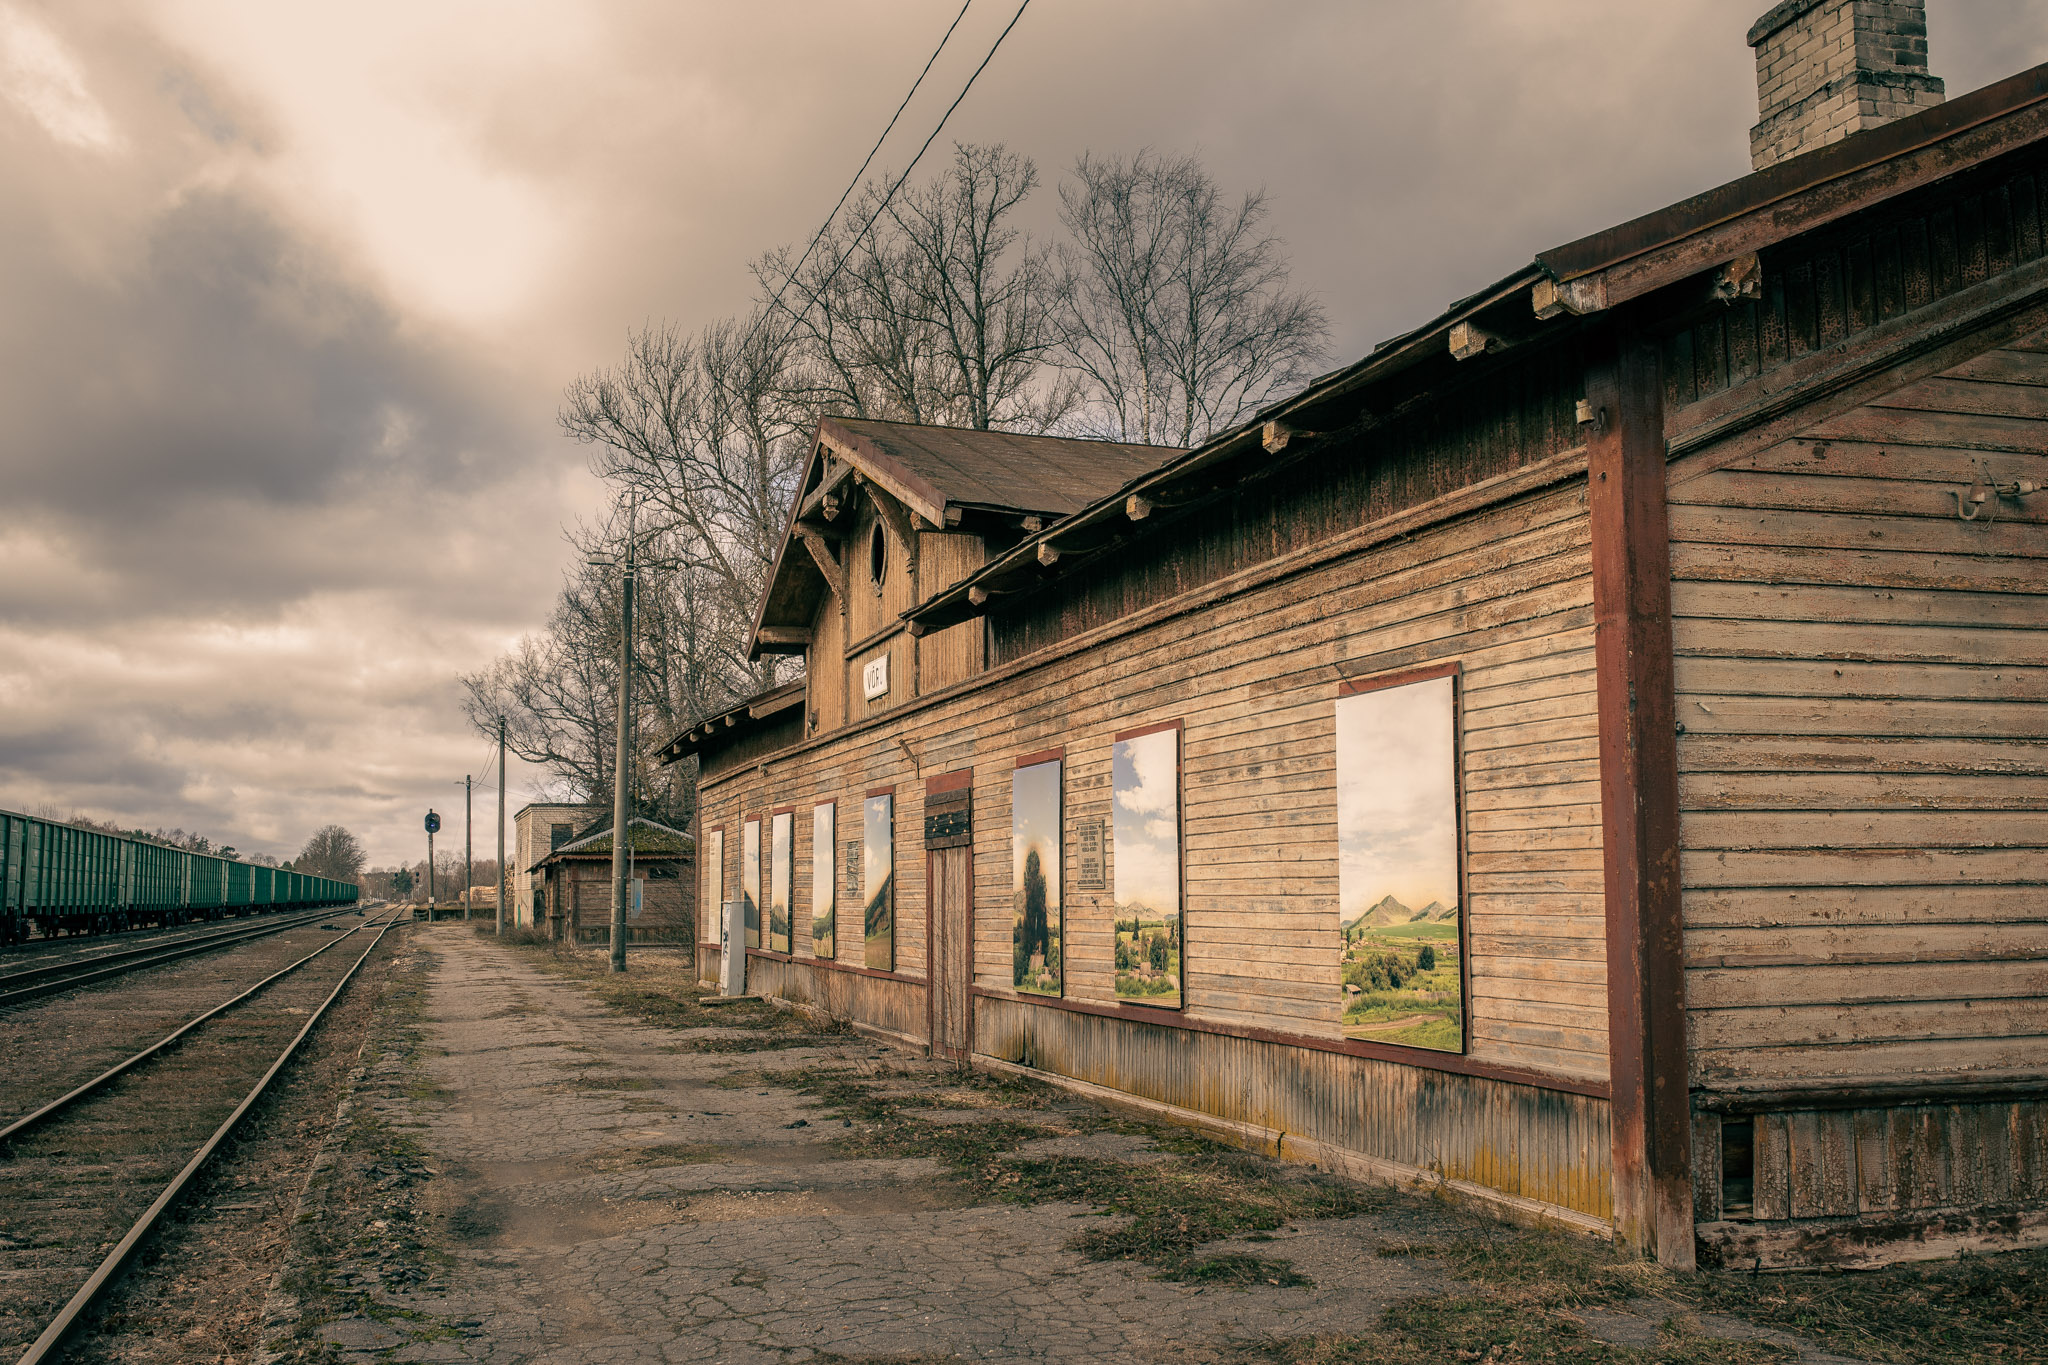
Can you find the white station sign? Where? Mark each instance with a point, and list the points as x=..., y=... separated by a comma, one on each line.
x=874, y=677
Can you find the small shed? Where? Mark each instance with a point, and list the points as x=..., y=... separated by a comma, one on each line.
x=573, y=886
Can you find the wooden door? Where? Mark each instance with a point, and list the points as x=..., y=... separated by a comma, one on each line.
x=950, y=877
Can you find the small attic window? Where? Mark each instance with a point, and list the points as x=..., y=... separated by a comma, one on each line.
x=878, y=556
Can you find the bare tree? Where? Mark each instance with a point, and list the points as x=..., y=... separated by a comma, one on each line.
x=941, y=312
x=332, y=852
x=1176, y=312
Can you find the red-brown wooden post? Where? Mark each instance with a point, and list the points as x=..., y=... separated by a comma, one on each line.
x=1639, y=797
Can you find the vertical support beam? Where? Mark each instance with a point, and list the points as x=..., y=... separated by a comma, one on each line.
x=1639, y=796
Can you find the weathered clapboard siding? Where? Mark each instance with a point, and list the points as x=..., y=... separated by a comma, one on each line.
x=1519, y=415
x=1863, y=682
x=1526, y=1142
x=1253, y=679
x=825, y=678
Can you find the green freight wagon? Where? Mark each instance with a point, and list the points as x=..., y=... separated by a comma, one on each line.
x=57, y=878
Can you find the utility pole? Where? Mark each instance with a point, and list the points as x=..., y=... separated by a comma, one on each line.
x=501, y=825
x=468, y=874
x=622, y=755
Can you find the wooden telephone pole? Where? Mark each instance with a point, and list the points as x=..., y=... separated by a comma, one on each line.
x=622, y=755
x=502, y=879
x=468, y=874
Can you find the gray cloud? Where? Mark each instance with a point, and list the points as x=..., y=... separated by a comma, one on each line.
x=281, y=351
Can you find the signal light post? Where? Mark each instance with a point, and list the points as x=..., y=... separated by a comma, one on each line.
x=433, y=828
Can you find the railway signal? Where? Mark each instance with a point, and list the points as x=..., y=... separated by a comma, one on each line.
x=433, y=828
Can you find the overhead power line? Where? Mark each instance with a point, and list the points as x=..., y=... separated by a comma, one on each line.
x=868, y=226
x=854, y=183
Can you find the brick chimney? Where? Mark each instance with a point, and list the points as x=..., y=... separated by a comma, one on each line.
x=1829, y=68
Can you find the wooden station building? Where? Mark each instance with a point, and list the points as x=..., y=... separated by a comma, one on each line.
x=1663, y=630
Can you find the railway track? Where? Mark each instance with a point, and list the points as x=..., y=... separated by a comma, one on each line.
x=32, y=983
x=73, y=1164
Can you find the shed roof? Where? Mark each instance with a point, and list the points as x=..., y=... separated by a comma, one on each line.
x=645, y=838
x=943, y=476
x=935, y=468
x=735, y=722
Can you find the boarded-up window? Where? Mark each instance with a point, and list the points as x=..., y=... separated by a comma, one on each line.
x=824, y=885
x=1397, y=870
x=878, y=881
x=781, y=862
x=1145, y=813
x=1035, y=924
x=750, y=879
x=714, y=878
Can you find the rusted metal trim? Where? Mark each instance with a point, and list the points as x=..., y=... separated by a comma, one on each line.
x=956, y=780
x=1874, y=1094
x=1042, y=756
x=829, y=965
x=1631, y=552
x=1421, y=1058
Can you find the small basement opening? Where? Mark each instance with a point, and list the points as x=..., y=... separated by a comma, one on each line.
x=1738, y=1167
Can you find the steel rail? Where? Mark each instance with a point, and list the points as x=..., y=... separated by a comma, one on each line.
x=44, y=1347
x=29, y=1120
x=82, y=973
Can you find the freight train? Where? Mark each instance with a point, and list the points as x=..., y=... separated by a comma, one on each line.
x=60, y=879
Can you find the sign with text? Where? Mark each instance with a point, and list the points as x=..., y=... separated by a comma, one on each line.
x=1089, y=872
x=874, y=677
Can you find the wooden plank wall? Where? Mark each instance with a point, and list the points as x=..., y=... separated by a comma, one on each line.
x=1527, y=1142
x=895, y=1007
x=1516, y=415
x=957, y=653
x=1863, y=681
x=1505, y=591
x=825, y=670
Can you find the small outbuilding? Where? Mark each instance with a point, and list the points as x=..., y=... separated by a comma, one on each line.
x=1590, y=754
x=573, y=886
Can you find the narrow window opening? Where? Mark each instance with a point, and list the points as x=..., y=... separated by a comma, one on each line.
x=1738, y=1168
x=878, y=556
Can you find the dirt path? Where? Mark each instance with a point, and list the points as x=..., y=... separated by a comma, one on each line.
x=532, y=1176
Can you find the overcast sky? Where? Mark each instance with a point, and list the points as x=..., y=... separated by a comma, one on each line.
x=288, y=294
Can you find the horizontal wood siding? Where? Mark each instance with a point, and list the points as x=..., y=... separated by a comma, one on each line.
x=1520, y=414
x=1523, y=1141
x=1505, y=592
x=1863, y=683
x=955, y=654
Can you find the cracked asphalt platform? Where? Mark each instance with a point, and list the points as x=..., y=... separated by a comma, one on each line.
x=552, y=1124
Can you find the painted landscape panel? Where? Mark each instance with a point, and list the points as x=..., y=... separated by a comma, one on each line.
x=1145, y=850
x=824, y=884
x=1035, y=924
x=878, y=882
x=1397, y=872
x=750, y=879
x=781, y=864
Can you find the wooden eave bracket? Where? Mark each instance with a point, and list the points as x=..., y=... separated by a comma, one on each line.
x=1469, y=340
x=827, y=559
x=901, y=521
x=827, y=502
x=1574, y=298
x=782, y=639
x=1741, y=278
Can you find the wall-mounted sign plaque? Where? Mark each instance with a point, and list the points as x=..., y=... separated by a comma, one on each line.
x=874, y=677
x=1089, y=872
